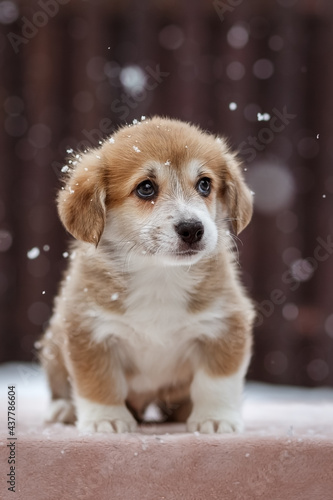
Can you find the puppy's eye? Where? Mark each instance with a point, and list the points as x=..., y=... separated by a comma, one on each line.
x=204, y=186
x=146, y=190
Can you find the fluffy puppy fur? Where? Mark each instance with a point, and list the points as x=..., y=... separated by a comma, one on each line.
x=151, y=308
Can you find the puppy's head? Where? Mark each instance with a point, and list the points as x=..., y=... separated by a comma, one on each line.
x=160, y=188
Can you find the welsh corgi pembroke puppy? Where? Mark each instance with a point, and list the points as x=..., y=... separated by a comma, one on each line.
x=151, y=308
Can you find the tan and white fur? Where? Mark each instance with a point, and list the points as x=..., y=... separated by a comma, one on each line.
x=151, y=308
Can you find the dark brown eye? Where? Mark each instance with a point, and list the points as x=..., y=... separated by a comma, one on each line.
x=146, y=190
x=204, y=186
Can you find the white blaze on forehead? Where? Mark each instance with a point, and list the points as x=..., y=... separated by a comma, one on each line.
x=162, y=169
x=194, y=169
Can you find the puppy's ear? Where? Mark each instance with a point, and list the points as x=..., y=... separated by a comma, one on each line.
x=81, y=203
x=236, y=194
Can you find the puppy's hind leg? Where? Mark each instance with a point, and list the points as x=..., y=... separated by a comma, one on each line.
x=61, y=407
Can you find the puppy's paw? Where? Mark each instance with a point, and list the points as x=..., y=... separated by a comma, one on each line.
x=93, y=417
x=108, y=426
x=61, y=410
x=222, y=423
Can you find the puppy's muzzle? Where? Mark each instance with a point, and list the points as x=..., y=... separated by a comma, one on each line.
x=190, y=231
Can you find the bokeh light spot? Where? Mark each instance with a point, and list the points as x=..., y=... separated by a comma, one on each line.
x=133, y=79
x=237, y=36
x=302, y=270
x=6, y=240
x=235, y=70
x=8, y=12
x=171, y=37
x=290, y=311
x=263, y=69
x=273, y=185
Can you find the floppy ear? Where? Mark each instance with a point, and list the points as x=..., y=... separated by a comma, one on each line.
x=236, y=194
x=81, y=203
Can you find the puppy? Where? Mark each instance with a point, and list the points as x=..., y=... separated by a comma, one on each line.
x=151, y=308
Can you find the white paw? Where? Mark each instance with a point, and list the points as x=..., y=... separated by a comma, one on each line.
x=61, y=410
x=108, y=426
x=94, y=417
x=225, y=422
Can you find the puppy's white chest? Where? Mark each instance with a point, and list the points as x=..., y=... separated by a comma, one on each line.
x=156, y=328
x=156, y=332
x=157, y=304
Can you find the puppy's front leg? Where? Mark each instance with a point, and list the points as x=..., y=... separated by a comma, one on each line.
x=100, y=387
x=216, y=389
x=216, y=403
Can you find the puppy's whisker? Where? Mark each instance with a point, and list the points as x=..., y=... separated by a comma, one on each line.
x=231, y=244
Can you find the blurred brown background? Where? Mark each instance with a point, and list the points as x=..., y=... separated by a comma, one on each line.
x=260, y=72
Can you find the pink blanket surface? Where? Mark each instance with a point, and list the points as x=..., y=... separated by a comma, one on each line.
x=285, y=453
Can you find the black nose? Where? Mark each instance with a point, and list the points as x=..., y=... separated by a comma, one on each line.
x=190, y=231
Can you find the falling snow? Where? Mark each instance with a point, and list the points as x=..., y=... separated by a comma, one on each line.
x=33, y=253
x=136, y=149
x=264, y=117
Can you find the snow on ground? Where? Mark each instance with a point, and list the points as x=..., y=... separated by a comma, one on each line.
x=267, y=409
